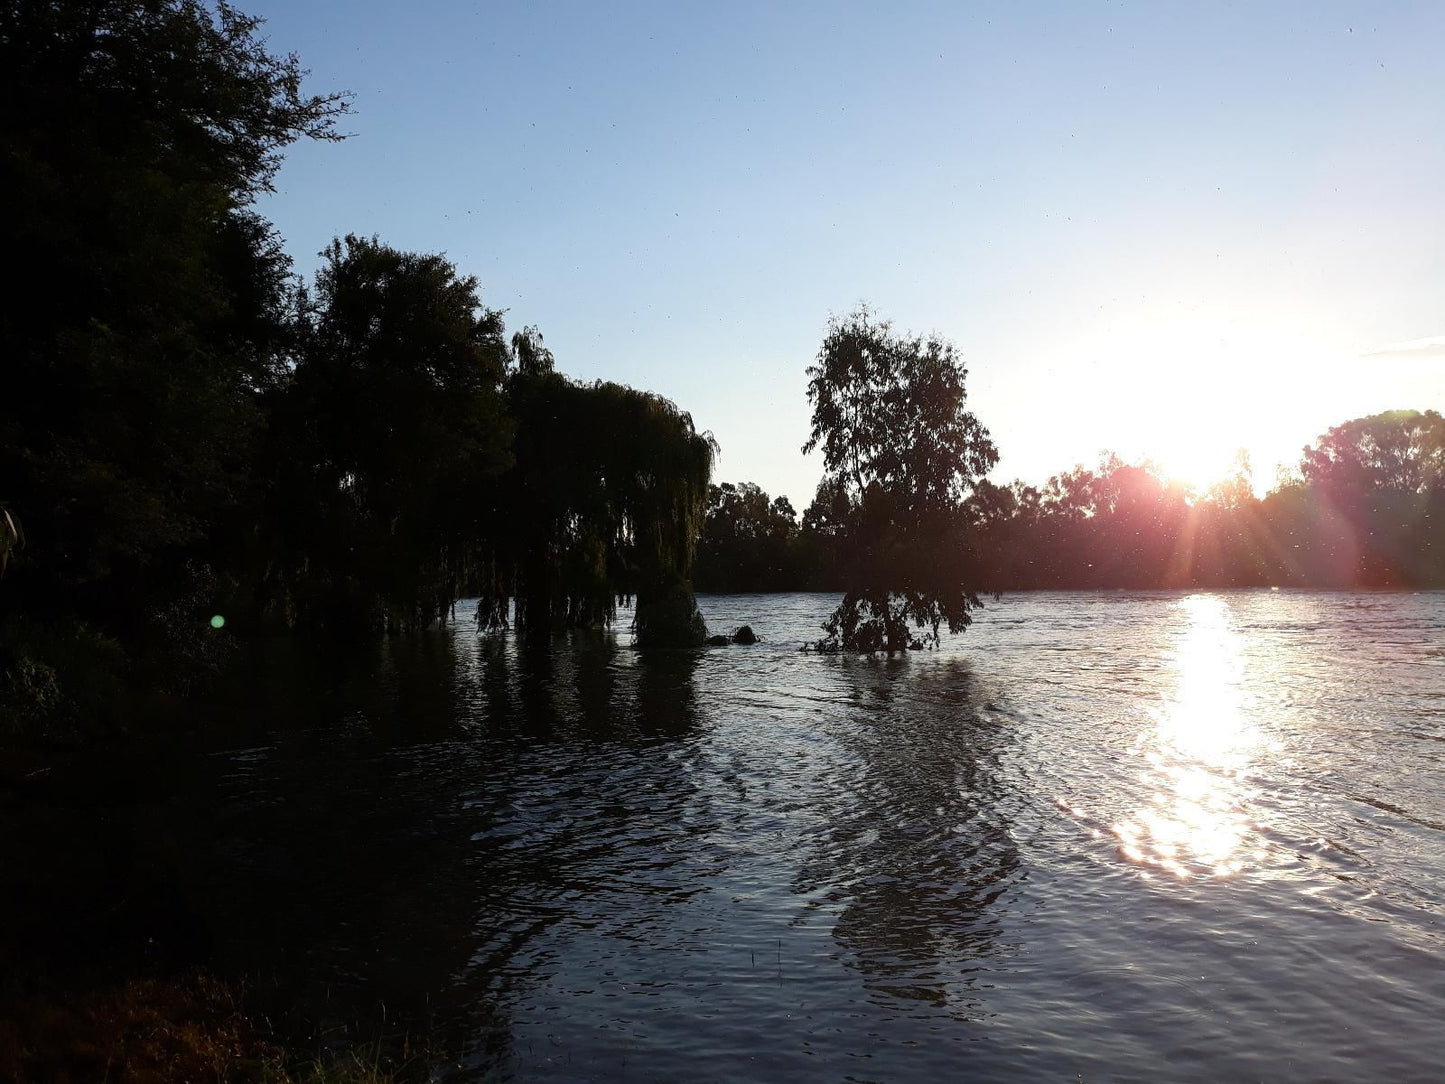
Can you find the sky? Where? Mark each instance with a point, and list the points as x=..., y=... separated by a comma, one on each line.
x=1165, y=230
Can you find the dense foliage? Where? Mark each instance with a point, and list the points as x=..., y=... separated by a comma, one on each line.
x=188, y=432
x=144, y=324
x=750, y=542
x=605, y=501
x=1365, y=509
x=392, y=423
x=900, y=453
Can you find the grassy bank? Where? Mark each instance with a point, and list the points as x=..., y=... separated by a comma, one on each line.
x=192, y=1027
x=105, y=951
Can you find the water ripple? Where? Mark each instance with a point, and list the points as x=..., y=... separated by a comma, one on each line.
x=1100, y=835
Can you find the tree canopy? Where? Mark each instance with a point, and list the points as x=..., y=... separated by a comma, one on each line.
x=135, y=134
x=747, y=540
x=901, y=451
x=1400, y=450
x=188, y=431
x=393, y=421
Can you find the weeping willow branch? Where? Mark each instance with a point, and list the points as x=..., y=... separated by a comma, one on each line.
x=605, y=503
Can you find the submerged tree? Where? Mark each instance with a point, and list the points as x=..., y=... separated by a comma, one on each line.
x=605, y=503
x=901, y=452
x=397, y=421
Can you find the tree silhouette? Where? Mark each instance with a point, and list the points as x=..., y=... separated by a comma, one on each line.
x=1400, y=450
x=605, y=502
x=747, y=540
x=398, y=394
x=135, y=135
x=889, y=413
x=1369, y=502
x=145, y=332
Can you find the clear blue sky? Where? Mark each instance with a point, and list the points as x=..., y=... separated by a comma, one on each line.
x=1166, y=229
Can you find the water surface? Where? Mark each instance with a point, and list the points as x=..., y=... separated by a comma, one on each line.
x=1107, y=835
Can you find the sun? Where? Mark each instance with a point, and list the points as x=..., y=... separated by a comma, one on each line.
x=1178, y=445
x=1183, y=390
x=1198, y=467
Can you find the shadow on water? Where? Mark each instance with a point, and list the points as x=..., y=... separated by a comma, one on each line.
x=919, y=846
x=564, y=722
x=441, y=833
x=587, y=828
x=354, y=834
x=324, y=846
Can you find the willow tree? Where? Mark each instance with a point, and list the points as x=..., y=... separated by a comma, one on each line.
x=661, y=476
x=901, y=451
x=604, y=504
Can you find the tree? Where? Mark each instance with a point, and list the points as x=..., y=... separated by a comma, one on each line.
x=1399, y=450
x=1372, y=490
x=747, y=540
x=134, y=135
x=889, y=412
x=828, y=514
x=605, y=502
x=1237, y=489
x=398, y=396
x=144, y=329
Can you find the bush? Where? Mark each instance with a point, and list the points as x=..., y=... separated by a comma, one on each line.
x=59, y=680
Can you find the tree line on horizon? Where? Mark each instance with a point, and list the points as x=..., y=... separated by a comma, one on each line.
x=1364, y=508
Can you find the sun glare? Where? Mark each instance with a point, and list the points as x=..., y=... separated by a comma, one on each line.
x=1187, y=392
x=1196, y=467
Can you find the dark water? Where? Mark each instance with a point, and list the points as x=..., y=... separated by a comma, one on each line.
x=1098, y=836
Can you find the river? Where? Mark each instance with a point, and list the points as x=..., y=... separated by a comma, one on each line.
x=1098, y=835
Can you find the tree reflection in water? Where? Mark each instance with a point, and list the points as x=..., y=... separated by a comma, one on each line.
x=576, y=835
x=918, y=846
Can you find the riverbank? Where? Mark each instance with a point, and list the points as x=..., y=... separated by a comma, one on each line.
x=138, y=1030
x=187, y=1028
x=105, y=967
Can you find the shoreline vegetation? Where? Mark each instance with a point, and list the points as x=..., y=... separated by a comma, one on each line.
x=1365, y=508
x=199, y=448
x=164, y=1028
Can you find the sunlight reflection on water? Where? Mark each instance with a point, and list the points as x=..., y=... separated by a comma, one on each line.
x=1197, y=756
x=761, y=863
